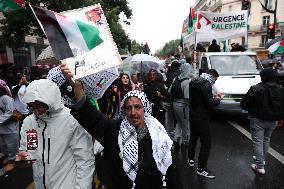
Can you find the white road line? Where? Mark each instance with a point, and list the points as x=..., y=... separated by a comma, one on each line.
x=271, y=151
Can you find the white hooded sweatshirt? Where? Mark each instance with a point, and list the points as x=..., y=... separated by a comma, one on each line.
x=62, y=148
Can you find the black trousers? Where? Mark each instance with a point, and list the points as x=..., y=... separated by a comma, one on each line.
x=200, y=129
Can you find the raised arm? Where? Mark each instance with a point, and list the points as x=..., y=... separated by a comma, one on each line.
x=92, y=120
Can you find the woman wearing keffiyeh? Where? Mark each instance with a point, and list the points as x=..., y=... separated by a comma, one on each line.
x=137, y=149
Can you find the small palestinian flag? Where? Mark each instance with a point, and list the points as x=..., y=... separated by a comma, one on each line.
x=67, y=37
x=190, y=22
x=192, y=19
x=193, y=15
x=11, y=5
x=276, y=46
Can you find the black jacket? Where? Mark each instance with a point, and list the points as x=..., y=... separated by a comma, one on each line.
x=15, y=90
x=262, y=104
x=151, y=89
x=170, y=77
x=201, y=98
x=111, y=171
x=214, y=48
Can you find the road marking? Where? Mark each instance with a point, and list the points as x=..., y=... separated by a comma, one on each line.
x=271, y=151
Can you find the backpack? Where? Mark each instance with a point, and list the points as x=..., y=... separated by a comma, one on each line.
x=271, y=104
x=176, y=90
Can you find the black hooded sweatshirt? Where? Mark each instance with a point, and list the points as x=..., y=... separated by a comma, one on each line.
x=201, y=98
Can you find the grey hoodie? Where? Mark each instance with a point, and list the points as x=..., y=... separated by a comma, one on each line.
x=7, y=126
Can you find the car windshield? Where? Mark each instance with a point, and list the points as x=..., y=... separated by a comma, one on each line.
x=235, y=64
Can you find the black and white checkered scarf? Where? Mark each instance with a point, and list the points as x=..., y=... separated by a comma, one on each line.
x=128, y=142
x=208, y=77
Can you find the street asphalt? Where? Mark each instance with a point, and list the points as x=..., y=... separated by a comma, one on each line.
x=230, y=160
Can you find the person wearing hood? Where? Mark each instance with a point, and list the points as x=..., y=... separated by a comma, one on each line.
x=181, y=106
x=201, y=107
x=137, y=148
x=265, y=105
x=9, y=129
x=62, y=149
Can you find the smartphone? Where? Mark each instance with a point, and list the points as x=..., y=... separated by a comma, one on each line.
x=25, y=161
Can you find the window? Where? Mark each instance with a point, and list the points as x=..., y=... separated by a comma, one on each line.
x=265, y=20
x=235, y=64
x=22, y=56
x=243, y=41
x=268, y=4
x=230, y=8
x=204, y=64
x=263, y=40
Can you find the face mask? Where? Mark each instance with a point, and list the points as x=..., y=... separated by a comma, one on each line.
x=44, y=115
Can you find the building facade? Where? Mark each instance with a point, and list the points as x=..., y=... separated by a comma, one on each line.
x=258, y=19
x=23, y=55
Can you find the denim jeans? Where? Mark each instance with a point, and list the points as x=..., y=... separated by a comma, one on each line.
x=181, y=112
x=261, y=131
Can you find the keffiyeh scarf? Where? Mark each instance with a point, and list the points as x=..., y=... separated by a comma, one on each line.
x=208, y=77
x=128, y=139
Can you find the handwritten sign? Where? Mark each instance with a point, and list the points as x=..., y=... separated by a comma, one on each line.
x=103, y=56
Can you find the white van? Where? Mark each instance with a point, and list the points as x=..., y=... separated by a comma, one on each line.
x=238, y=71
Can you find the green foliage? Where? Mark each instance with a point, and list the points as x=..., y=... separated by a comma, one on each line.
x=136, y=48
x=170, y=49
x=20, y=23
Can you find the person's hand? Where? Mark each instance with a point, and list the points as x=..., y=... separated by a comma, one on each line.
x=159, y=94
x=21, y=156
x=77, y=86
x=219, y=96
x=9, y=167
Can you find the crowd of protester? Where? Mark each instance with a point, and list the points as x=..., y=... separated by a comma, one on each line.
x=149, y=114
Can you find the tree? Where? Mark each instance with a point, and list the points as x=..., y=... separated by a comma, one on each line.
x=170, y=49
x=136, y=48
x=20, y=23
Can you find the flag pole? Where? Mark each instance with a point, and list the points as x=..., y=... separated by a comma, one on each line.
x=246, y=37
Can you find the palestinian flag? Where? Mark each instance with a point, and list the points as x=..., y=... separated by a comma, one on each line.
x=67, y=37
x=276, y=46
x=11, y=5
x=192, y=19
x=193, y=16
x=190, y=22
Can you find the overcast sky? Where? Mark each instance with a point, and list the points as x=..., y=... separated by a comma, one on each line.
x=157, y=21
